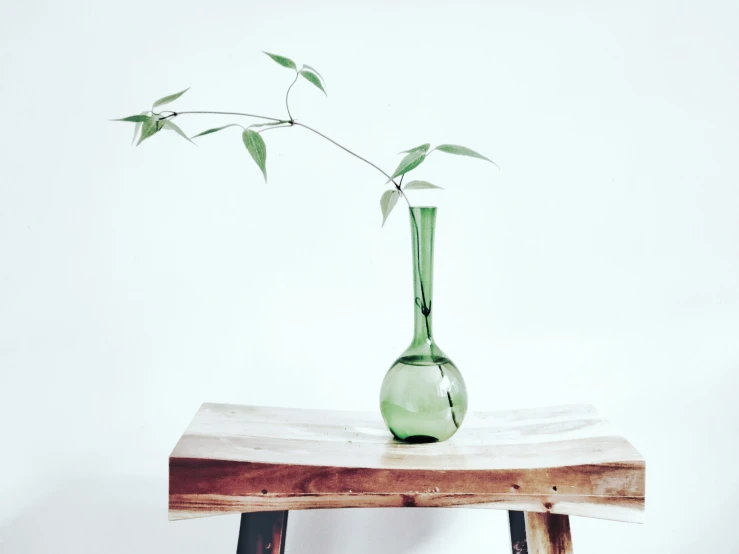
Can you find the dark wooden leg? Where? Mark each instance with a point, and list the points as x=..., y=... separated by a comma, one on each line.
x=535, y=533
x=548, y=533
x=262, y=533
x=517, y=523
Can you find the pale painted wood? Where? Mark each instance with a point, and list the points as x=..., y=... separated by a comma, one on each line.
x=548, y=533
x=563, y=460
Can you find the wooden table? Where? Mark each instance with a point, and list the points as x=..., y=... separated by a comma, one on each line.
x=542, y=465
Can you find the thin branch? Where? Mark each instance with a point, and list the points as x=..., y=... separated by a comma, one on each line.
x=402, y=193
x=297, y=123
x=274, y=127
x=345, y=149
x=270, y=124
x=287, y=94
x=175, y=114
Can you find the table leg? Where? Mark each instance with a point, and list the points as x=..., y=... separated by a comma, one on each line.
x=540, y=533
x=262, y=533
x=517, y=524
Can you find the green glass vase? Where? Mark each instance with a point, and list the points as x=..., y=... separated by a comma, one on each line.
x=423, y=396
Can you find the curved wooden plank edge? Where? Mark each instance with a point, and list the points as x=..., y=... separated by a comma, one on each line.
x=624, y=509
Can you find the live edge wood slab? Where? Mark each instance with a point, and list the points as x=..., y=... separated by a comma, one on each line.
x=557, y=460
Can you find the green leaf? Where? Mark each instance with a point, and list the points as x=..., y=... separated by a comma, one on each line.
x=283, y=61
x=215, y=130
x=409, y=162
x=387, y=202
x=170, y=98
x=137, y=128
x=314, y=70
x=423, y=148
x=141, y=118
x=420, y=185
x=255, y=145
x=462, y=151
x=148, y=129
x=167, y=124
x=313, y=78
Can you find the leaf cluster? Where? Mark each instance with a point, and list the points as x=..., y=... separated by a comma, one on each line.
x=150, y=122
x=412, y=159
x=308, y=73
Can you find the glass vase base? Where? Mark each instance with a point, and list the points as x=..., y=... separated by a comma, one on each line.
x=423, y=400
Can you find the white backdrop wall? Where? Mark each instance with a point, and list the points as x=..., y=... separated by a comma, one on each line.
x=599, y=265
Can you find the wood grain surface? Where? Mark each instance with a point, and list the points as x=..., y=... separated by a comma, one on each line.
x=562, y=460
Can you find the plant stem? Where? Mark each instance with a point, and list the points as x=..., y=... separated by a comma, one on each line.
x=175, y=114
x=425, y=309
x=287, y=95
x=297, y=124
x=345, y=149
x=275, y=127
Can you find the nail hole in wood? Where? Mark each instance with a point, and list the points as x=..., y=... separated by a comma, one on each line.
x=408, y=500
x=554, y=488
x=516, y=487
x=264, y=491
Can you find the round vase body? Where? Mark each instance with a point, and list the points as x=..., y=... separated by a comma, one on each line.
x=423, y=400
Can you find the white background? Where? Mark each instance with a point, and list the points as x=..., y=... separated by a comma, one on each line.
x=599, y=265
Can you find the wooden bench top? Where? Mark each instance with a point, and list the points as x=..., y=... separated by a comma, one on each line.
x=563, y=460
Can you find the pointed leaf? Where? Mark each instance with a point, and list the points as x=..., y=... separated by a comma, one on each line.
x=255, y=145
x=171, y=98
x=215, y=130
x=423, y=148
x=314, y=70
x=137, y=128
x=462, y=151
x=313, y=78
x=141, y=118
x=148, y=129
x=409, y=162
x=283, y=61
x=167, y=124
x=387, y=202
x=420, y=185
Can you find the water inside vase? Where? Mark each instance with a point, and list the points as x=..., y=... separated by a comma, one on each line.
x=423, y=399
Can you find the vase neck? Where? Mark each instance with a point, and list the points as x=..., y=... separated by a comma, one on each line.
x=423, y=222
